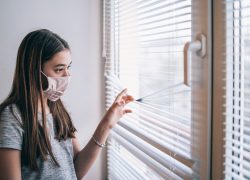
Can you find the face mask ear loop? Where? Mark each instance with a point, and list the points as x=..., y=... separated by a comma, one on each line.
x=47, y=79
x=44, y=74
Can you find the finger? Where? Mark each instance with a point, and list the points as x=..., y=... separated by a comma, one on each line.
x=129, y=98
x=121, y=94
x=128, y=101
x=119, y=103
x=122, y=102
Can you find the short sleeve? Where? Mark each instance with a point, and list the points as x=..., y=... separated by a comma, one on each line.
x=11, y=131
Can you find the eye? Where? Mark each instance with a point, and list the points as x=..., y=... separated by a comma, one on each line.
x=58, y=70
x=69, y=67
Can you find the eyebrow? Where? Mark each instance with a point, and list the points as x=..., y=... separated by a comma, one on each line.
x=58, y=65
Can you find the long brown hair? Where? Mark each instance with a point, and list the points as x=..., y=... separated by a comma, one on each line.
x=36, y=48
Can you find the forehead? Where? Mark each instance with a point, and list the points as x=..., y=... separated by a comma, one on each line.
x=63, y=57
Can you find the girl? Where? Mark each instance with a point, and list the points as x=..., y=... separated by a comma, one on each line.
x=37, y=136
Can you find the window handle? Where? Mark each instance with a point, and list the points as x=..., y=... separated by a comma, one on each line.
x=199, y=46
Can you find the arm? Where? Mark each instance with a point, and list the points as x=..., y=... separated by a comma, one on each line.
x=10, y=164
x=85, y=158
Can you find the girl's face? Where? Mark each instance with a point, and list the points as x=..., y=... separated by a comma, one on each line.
x=59, y=65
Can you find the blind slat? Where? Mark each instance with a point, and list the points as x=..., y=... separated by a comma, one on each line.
x=127, y=162
x=237, y=112
x=153, y=152
x=136, y=33
x=168, y=148
x=145, y=158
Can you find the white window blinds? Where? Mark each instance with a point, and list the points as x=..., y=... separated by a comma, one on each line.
x=237, y=124
x=143, y=48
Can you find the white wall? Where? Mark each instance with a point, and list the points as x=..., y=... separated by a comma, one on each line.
x=78, y=22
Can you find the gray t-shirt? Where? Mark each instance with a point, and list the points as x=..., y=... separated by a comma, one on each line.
x=11, y=136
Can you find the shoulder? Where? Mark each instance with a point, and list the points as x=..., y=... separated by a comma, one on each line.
x=11, y=130
x=11, y=115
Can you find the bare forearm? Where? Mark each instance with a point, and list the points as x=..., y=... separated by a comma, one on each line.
x=86, y=157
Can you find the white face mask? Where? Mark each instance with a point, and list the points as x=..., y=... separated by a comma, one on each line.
x=56, y=87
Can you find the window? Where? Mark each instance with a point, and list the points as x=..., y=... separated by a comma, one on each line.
x=166, y=136
x=231, y=145
x=237, y=113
